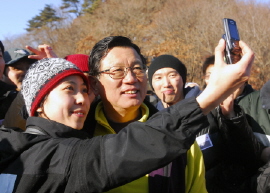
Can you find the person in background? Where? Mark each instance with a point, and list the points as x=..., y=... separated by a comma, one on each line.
x=120, y=71
x=17, y=63
x=80, y=60
x=15, y=115
x=207, y=68
x=48, y=156
x=167, y=76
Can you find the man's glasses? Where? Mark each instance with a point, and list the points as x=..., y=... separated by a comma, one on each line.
x=118, y=72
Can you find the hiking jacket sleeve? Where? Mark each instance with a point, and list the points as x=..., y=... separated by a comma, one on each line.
x=239, y=141
x=113, y=160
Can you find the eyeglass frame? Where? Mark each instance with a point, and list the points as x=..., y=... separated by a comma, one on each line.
x=107, y=71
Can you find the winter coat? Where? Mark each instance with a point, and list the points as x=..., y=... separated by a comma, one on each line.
x=226, y=149
x=227, y=144
x=58, y=158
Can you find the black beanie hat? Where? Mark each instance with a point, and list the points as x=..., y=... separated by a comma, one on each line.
x=167, y=61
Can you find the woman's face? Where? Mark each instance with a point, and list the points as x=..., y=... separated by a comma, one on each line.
x=68, y=103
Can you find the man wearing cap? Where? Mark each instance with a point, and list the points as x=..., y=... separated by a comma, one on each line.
x=17, y=63
x=167, y=77
x=169, y=72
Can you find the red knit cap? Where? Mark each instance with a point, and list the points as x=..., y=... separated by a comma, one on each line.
x=80, y=60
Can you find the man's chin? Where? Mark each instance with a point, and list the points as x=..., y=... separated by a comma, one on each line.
x=132, y=104
x=169, y=100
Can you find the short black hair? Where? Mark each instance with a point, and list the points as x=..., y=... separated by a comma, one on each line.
x=102, y=47
x=207, y=62
x=2, y=47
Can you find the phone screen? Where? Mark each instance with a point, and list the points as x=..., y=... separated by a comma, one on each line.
x=233, y=30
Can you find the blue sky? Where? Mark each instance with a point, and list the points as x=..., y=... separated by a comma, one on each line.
x=14, y=14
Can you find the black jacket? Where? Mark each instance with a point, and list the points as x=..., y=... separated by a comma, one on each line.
x=234, y=156
x=258, y=116
x=62, y=159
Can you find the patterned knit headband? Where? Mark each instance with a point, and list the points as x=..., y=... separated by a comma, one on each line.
x=42, y=77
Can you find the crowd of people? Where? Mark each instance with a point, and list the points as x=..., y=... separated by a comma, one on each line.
x=86, y=123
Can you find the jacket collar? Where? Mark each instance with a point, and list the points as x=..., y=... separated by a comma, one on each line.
x=102, y=120
x=54, y=129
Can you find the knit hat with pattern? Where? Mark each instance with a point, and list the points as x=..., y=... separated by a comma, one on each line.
x=80, y=60
x=42, y=77
x=167, y=61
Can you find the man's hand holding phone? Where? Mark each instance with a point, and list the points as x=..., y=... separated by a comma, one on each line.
x=225, y=79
